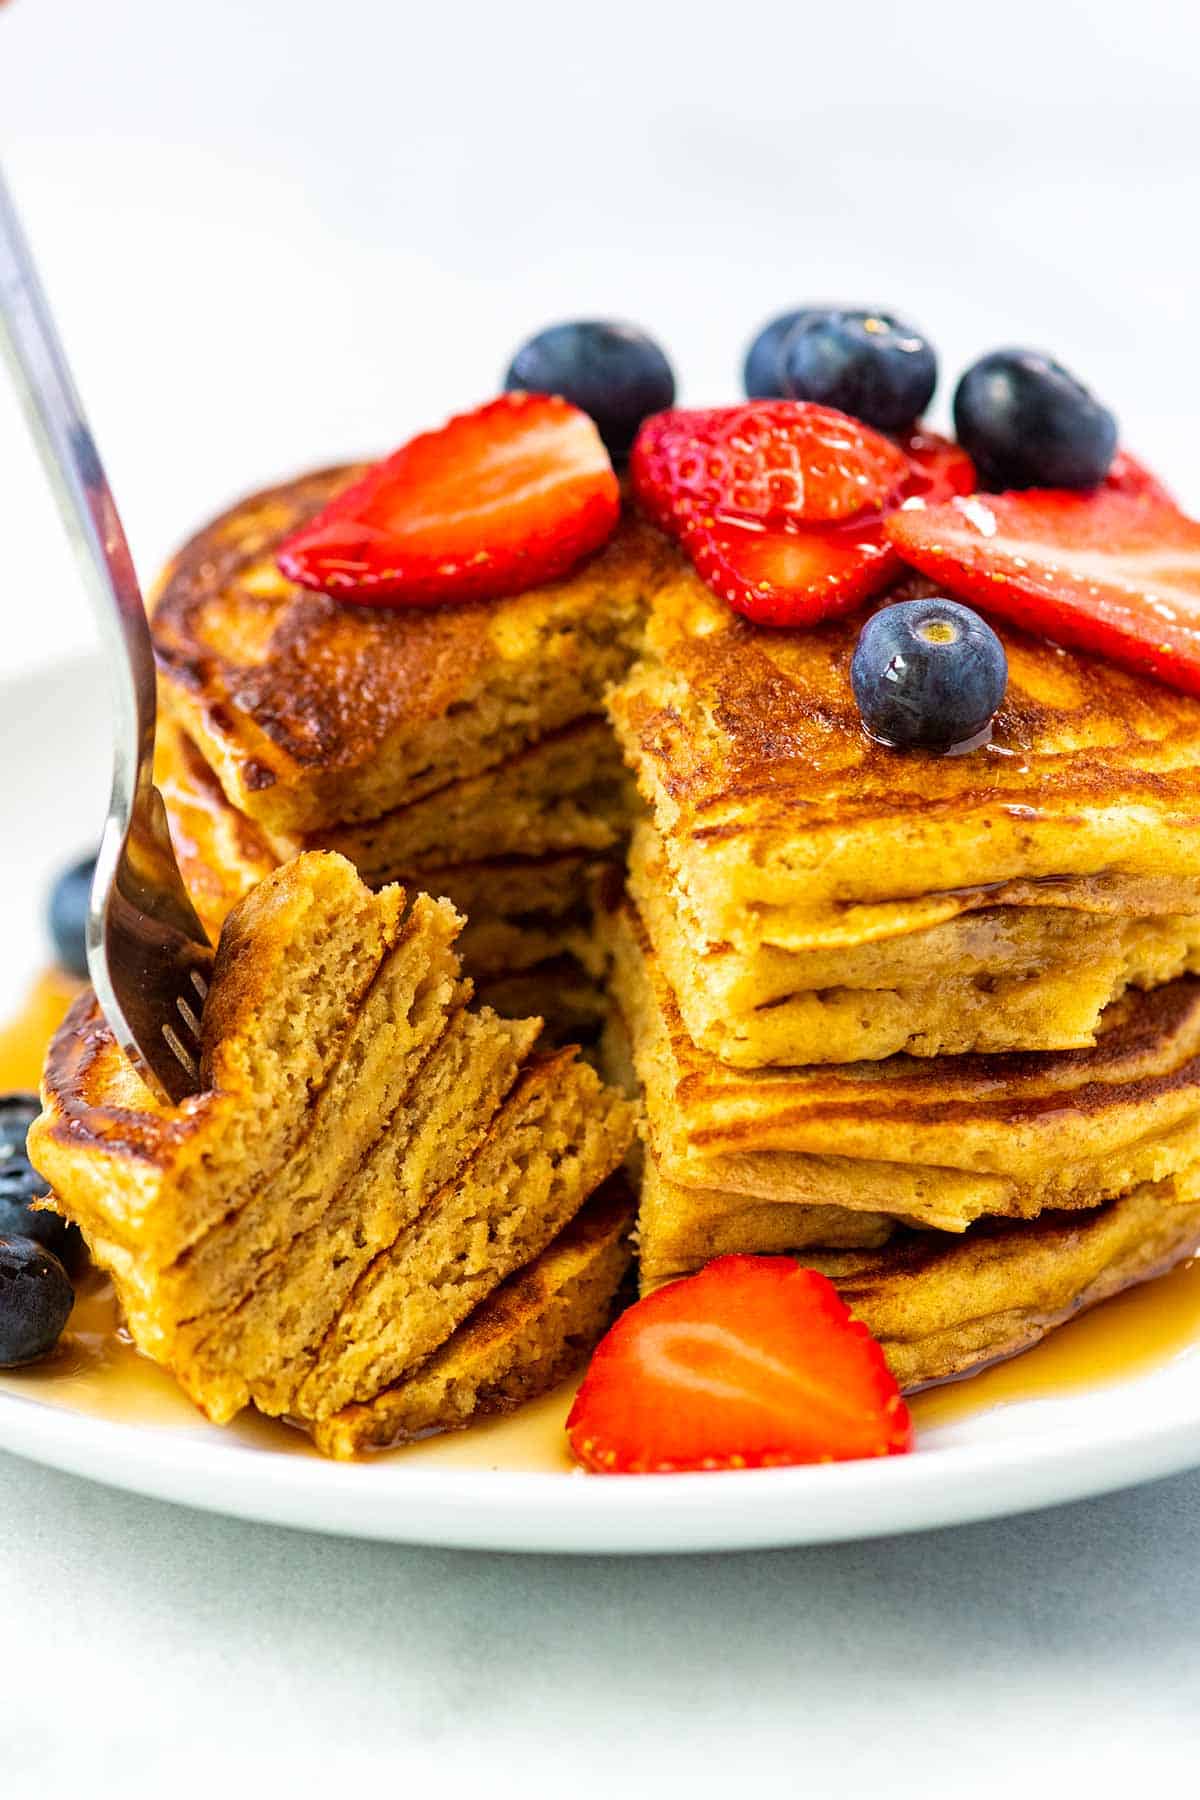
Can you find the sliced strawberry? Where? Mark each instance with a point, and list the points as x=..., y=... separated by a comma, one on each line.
x=1126, y=475
x=1109, y=571
x=777, y=461
x=752, y=1362
x=780, y=505
x=784, y=576
x=938, y=468
x=497, y=501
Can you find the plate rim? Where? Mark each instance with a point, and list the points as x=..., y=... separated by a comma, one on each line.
x=551, y=1511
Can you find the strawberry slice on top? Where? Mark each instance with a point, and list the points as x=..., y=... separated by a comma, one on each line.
x=1126, y=475
x=754, y=1362
x=1110, y=571
x=497, y=501
x=784, y=576
x=777, y=461
x=796, y=564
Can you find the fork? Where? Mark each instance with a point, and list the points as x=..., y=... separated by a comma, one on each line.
x=148, y=955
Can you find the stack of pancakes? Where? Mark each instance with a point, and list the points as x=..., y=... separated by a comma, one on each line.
x=930, y=1020
x=458, y=749
x=383, y=1212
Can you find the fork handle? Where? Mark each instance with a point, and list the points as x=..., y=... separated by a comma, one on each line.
x=64, y=439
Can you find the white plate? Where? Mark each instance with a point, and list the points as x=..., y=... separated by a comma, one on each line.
x=54, y=754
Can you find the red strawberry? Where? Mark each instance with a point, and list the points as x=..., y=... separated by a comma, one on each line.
x=801, y=574
x=777, y=461
x=753, y=1362
x=784, y=576
x=1127, y=475
x=497, y=501
x=780, y=504
x=940, y=469
x=1109, y=571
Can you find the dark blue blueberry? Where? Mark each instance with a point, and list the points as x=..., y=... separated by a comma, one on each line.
x=35, y=1301
x=20, y=1185
x=1025, y=421
x=762, y=371
x=613, y=372
x=67, y=911
x=928, y=675
x=865, y=363
x=17, y=1113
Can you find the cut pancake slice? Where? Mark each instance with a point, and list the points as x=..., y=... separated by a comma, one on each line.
x=935, y=1142
x=262, y=1349
x=988, y=979
x=559, y=1134
x=350, y=1088
x=946, y=1306
x=526, y=1337
x=301, y=969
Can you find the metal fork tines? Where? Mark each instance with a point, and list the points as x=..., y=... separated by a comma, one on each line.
x=148, y=954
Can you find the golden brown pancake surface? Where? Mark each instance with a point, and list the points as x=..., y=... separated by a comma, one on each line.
x=314, y=711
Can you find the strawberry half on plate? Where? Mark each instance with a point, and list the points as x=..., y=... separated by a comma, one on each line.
x=1111, y=571
x=752, y=1363
x=499, y=500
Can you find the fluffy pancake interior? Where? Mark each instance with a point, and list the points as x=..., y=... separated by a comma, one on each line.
x=558, y=1135
x=518, y=1343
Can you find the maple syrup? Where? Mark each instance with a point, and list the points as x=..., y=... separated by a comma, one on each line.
x=24, y=1040
x=97, y=1370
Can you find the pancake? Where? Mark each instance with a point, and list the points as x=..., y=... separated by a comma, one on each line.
x=522, y=1341
x=558, y=1135
x=986, y=980
x=560, y=990
x=347, y=1089
x=682, y=1228
x=937, y=1142
x=943, y=1307
x=521, y=910
x=782, y=827
x=568, y=792
x=315, y=713
x=946, y=1307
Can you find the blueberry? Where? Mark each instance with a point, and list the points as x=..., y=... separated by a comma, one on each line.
x=865, y=363
x=613, y=372
x=20, y=1184
x=927, y=675
x=67, y=912
x=762, y=371
x=17, y=1113
x=1025, y=421
x=35, y=1301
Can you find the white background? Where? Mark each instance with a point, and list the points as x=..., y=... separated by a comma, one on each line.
x=283, y=231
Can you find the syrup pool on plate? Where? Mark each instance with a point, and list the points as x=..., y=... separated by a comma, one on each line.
x=96, y=1369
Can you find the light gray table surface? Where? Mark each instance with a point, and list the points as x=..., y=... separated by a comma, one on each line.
x=152, y=1651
